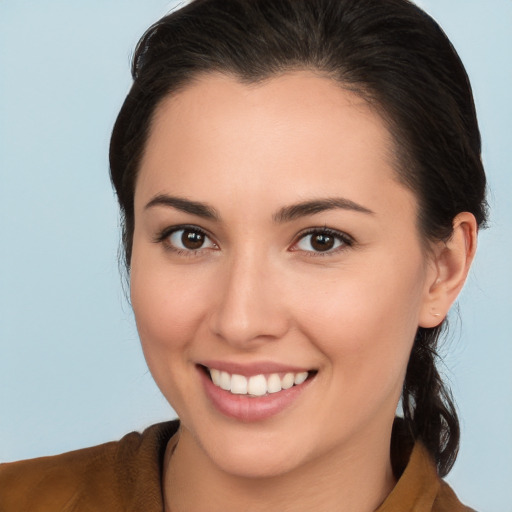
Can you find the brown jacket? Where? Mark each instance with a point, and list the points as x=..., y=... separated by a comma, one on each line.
x=125, y=476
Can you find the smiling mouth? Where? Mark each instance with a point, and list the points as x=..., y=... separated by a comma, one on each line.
x=256, y=385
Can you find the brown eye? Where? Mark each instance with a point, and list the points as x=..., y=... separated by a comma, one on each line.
x=189, y=240
x=323, y=241
x=192, y=239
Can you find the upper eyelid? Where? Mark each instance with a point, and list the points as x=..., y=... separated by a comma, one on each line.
x=166, y=232
x=347, y=242
x=335, y=232
x=163, y=238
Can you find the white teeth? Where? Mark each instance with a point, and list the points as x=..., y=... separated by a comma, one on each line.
x=238, y=384
x=274, y=383
x=215, y=374
x=300, y=378
x=288, y=381
x=225, y=381
x=257, y=385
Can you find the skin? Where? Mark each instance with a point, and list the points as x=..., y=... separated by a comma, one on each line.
x=257, y=290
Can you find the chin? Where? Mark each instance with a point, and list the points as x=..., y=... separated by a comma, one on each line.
x=250, y=451
x=256, y=462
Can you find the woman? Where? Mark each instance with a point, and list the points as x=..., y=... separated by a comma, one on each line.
x=301, y=188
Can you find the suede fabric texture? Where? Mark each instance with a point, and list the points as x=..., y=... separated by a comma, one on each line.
x=125, y=476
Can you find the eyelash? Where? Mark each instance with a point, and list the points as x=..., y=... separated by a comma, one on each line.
x=163, y=238
x=346, y=240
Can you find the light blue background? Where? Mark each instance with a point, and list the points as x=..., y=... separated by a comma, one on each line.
x=71, y=370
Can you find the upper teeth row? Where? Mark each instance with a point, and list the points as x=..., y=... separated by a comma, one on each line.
x=257, y=385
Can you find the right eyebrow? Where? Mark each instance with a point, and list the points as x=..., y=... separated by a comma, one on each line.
x=185, y=205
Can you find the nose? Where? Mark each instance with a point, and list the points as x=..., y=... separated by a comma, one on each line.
x=250, y=309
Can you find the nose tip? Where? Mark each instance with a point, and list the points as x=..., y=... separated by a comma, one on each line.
x=249, y=309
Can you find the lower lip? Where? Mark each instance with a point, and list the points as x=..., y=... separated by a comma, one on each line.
x=249, y=409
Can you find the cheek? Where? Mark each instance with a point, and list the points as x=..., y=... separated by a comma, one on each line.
x=166, y=298
x=365, y=321
x=168, y=308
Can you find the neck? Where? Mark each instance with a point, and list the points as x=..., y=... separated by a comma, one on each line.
x=357, y=479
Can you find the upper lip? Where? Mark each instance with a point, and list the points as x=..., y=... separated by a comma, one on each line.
x=254, y=368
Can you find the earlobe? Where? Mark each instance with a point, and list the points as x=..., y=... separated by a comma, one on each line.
x=450, y=266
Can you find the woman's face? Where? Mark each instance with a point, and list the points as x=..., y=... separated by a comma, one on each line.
x=272, y=238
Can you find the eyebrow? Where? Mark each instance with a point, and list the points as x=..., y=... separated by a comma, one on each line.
x=185, y=205
x=285, y=214
x=295, y=211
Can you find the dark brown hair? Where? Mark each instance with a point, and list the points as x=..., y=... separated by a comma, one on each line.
x=389, y=52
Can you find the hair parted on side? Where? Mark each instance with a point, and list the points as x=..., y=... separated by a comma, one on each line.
x=389, y=52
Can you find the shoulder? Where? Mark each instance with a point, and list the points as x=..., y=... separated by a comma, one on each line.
x=104, y=477
x=447, y=501
x=48, y=483
x=419, y=487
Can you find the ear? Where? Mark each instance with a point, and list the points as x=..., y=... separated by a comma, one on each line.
x=450, y=265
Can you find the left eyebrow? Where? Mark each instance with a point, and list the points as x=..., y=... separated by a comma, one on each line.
x=295, y=211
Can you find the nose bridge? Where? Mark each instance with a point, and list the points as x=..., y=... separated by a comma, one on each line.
x=249, y=303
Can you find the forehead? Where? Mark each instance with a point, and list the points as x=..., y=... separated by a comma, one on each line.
x=293, y=135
